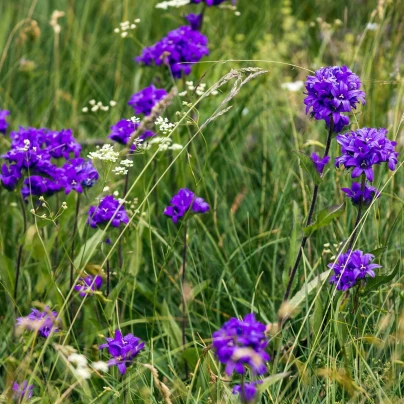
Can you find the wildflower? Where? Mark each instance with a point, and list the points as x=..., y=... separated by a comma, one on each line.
x=144, y=101
x=23, y=391
x=183, y=202
x=165, y=126
x=120, y=170
x=123, y=129
x=109, y=209
x=172, y=3
x=44, y=322
x=37, y=185
x=332, y=92
x=78, y=173
x=319, y=162
x=123, y=349
x=3, y=120
x=364, y=148
x=100, y=366
x=88, y=285
x=177, y=50
x=293, y=86
x=247, y=391
x=355, y=193
x=106, y=153
x=241, y=343
x=195, y=21
x=350, y=267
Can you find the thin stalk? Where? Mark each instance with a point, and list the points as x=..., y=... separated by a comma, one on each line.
x=108, y=278
x=359, y=215
x=309, y=218
x=76, y=214
x=20, y=248
x=184, y=261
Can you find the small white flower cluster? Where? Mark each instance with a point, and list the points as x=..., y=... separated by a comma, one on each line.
x=106, y=153
x=122, y=169
x=162, y=143
x=27, y=143
x=80, y=361
x=95, y=106
x=134, y=119
x=293, y=86
x=231, y=7
x=199, y=89
x=54, y=20
x=164, y=125
x=125, y=27
x=52, y=217
x=100, y=366
x=172, y=3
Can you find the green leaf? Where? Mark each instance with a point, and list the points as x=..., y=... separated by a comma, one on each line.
x=378, y=251
x=294, y=243
x=307, y=164
x=269, y=381
x=324, y=218
x=88, y=249
x=308, y=288
x=318, y=315
x=171, y=327
x=377, y=281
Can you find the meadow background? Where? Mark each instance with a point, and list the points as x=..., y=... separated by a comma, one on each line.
x=243, y=164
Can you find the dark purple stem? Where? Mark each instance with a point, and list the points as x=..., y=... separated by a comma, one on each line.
x=76, y=214
x=309, y=218
x=359, y=215
x=184, y=261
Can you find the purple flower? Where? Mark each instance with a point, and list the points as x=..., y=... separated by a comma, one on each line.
x=10, y=176
x=109, y=209
x=144, y=101
x=195, y=21
x=355, y=193
x=241, y=343
x=332, y=92
x=89, y=284
x=43, y=322
x=3, y=120
x=63, y=144
x=39, y=186
x=184, y=201
x=247, y=391
x=178, y=50
x=350, y=267
x=319, y=162
x=123, y=349
x=23, y=391
x=78, y=173
x=364, y=148
x=123, y=129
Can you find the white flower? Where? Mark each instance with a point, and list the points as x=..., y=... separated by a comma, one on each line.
x=176, y=146
x=101, y=366
x=106, y=153
x=127, y=163
x=293, y=86
x=164, y=125
x=137, y=20
x=172, y=3
x=95, y=108
x=124, y=34
x=134, y=119
x=83, y=372
x=183, y=94
x=117, y=30
x=85, y=109
x=92, y=102
x=372, y=26
x=120, y=170
x=106, y=189
x=78, y=359
x=116, y=193
x=112, y=103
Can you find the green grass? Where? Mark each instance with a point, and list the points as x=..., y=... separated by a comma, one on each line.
x=243, y=164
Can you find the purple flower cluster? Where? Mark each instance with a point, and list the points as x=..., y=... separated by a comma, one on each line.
x=43, y=322
x=108, y=210
x=32, y=157
x=3, y=120
x=184, y=201
x=144, y=101
x=178, y=50
x=241, y=343
x=247, y=391
x=123, y=349
x=23, y=391
x=364, y=148
x=332, y=92
x=195, y=21
x=123, y=129
x=355, y=193
x=88, y=285
x=319, y=162
x=351, y=266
